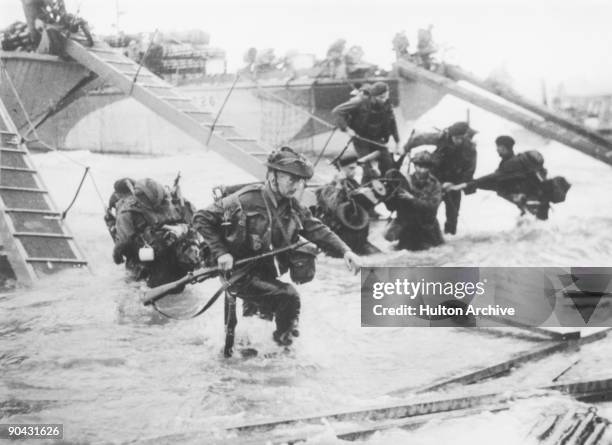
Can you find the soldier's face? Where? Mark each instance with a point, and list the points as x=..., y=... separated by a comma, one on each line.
x=350, y=170
x=287, y=184
x=503, y=152
x=457, y=140
x=382, y=98
x=421, y=170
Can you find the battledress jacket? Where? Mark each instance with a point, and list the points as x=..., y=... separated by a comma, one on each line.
x=455, y=164
x=517, y=174
x=134, y=218
x=422, y=209
x=367, y=119
x=247, y=223
x=416, y=224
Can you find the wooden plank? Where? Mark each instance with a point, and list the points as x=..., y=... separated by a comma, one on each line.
x=439, y=82
x=21, y=189
x=363, y=431
x=169, y=112
x=55, y=260
x=506, y=365
x=18, y=169
x=37, y=212
x=512, y=96
x=580, y=390
x=42, y=235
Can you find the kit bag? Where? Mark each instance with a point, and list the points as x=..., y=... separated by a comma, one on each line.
x=555, y=189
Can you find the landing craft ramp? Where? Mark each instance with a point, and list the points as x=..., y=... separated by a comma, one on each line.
x=167, y=102
x=507, y=93
x=532, y=119
x=35, y=240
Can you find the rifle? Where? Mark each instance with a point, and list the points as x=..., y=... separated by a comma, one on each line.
x=204, y=273
x=176, y=189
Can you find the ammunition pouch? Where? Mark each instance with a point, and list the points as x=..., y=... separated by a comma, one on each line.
x=302, y=263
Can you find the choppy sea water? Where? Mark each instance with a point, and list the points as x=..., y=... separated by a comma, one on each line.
x=81, y=350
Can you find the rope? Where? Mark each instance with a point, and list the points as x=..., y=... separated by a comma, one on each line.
x=229, y=93
x=312, y=116
x=65, y=212
x=325, y=147
x=337, y=158
x=142, y=61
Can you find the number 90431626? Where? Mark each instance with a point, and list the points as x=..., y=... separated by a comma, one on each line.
x=31, y=431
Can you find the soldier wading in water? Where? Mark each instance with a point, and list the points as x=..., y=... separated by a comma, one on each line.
x=262, y=217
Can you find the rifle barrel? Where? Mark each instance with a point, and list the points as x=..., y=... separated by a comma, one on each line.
x=154, y=294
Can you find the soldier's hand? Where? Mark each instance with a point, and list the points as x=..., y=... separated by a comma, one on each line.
x=225, y=262
x=449, y=186
x=405, y=194
x=117, y=256
x=397, y=149
x=352, y=261
x=350, y=132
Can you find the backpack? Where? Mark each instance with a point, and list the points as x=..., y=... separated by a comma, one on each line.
x=532, y=160
x=555, y=189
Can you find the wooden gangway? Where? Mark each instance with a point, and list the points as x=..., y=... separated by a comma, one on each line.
x=166, y=101
x=565, y=134
x=506, y=92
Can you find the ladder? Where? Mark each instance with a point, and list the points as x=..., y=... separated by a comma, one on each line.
x=544, y=128
x=35, y=241
x=164, y=100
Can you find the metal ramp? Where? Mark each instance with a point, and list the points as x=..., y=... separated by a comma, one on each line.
x=571, y=138
x=35, y=241
x=507, y=93
x=166, y=101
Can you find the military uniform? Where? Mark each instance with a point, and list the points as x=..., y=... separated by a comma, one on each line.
x=451, y=163
x=416, y=225
x=139, y=223
x=373, y=121
x=518, y=179
x=255, y=220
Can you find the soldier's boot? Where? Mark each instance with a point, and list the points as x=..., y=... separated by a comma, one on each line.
x=450, y=227
x=285, y=338
x=249, y=309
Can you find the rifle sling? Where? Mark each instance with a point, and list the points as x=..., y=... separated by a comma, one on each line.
x=227, y=284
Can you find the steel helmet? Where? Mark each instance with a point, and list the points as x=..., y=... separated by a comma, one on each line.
x=288, y=161
x=149, y=192
x=422, y=158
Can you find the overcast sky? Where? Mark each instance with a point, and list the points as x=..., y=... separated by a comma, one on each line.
x=563, y=40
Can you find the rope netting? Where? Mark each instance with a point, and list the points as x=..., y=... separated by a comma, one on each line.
x=281, y=122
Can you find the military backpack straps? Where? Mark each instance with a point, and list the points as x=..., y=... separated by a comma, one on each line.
x=302, y=260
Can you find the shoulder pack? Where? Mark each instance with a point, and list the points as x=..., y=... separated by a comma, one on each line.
x=555, y=189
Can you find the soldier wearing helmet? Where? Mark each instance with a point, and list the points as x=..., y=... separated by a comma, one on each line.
x=145, y=219
x=262, y=217
x=416, y=200
x=453, y=162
